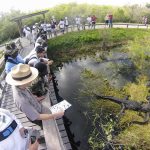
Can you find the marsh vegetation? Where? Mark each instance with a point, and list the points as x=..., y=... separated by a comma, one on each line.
x=112, y=62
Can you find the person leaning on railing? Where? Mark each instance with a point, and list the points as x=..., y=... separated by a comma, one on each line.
x=11, y=56
x=40, y=86
x=20, y=77
x=38, y=56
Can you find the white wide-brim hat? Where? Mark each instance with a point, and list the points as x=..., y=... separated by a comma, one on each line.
x=21, y=74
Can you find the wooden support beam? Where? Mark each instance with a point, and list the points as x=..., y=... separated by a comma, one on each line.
x=18, y=20
x=28, y=16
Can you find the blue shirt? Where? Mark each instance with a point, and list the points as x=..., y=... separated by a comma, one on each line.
x=9, y=65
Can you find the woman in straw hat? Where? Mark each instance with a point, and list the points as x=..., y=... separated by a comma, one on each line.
x=20, y=77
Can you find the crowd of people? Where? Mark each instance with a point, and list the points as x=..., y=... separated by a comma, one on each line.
x=53, y=27
x=29, y=78
x=26, y=75
x=22, y=74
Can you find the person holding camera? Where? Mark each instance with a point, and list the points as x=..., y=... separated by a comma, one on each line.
x=13, y=135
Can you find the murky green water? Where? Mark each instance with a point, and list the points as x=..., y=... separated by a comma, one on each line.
x=117, y=68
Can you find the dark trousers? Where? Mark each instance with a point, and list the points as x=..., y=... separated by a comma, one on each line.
x=37, y=122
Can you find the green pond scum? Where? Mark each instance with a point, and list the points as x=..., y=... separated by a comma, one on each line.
x=110, y=130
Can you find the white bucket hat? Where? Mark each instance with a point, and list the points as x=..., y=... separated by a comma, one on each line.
x=21, y=74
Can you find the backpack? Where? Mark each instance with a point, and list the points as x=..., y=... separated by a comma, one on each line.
x=39, y=88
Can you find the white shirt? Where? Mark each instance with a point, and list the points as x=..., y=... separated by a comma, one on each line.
x=78, y=20
x=44, y=26
x=89, y=19
x=66, y=22
x=34, y=61
x=61, y=24
x=14, y=141
x=48, y=27
x=27, y=31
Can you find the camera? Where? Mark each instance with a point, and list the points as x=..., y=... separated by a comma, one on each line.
x=34, y=135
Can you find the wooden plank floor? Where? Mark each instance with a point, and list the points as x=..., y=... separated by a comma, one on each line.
x=53, y=130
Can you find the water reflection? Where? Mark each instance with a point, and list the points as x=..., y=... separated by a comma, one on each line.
x=117, y=68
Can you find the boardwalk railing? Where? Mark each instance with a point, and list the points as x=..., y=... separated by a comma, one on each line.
x=53, y=131
x=74, y=27
x=124, y=25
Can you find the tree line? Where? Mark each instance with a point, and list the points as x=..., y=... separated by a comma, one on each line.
x=126, y=14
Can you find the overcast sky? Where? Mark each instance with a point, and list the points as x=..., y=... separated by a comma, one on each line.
x=31, y=5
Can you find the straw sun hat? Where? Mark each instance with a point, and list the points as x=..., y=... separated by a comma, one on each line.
x=21, y=74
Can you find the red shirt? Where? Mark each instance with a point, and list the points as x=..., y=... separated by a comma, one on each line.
x=94, y=18
x=110, y=17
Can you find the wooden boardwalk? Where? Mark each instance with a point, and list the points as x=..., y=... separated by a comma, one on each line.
x=53, y=130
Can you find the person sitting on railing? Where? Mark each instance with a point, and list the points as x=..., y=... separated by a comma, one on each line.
x=20, y=77
x=11, y=56
x=13, y=135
